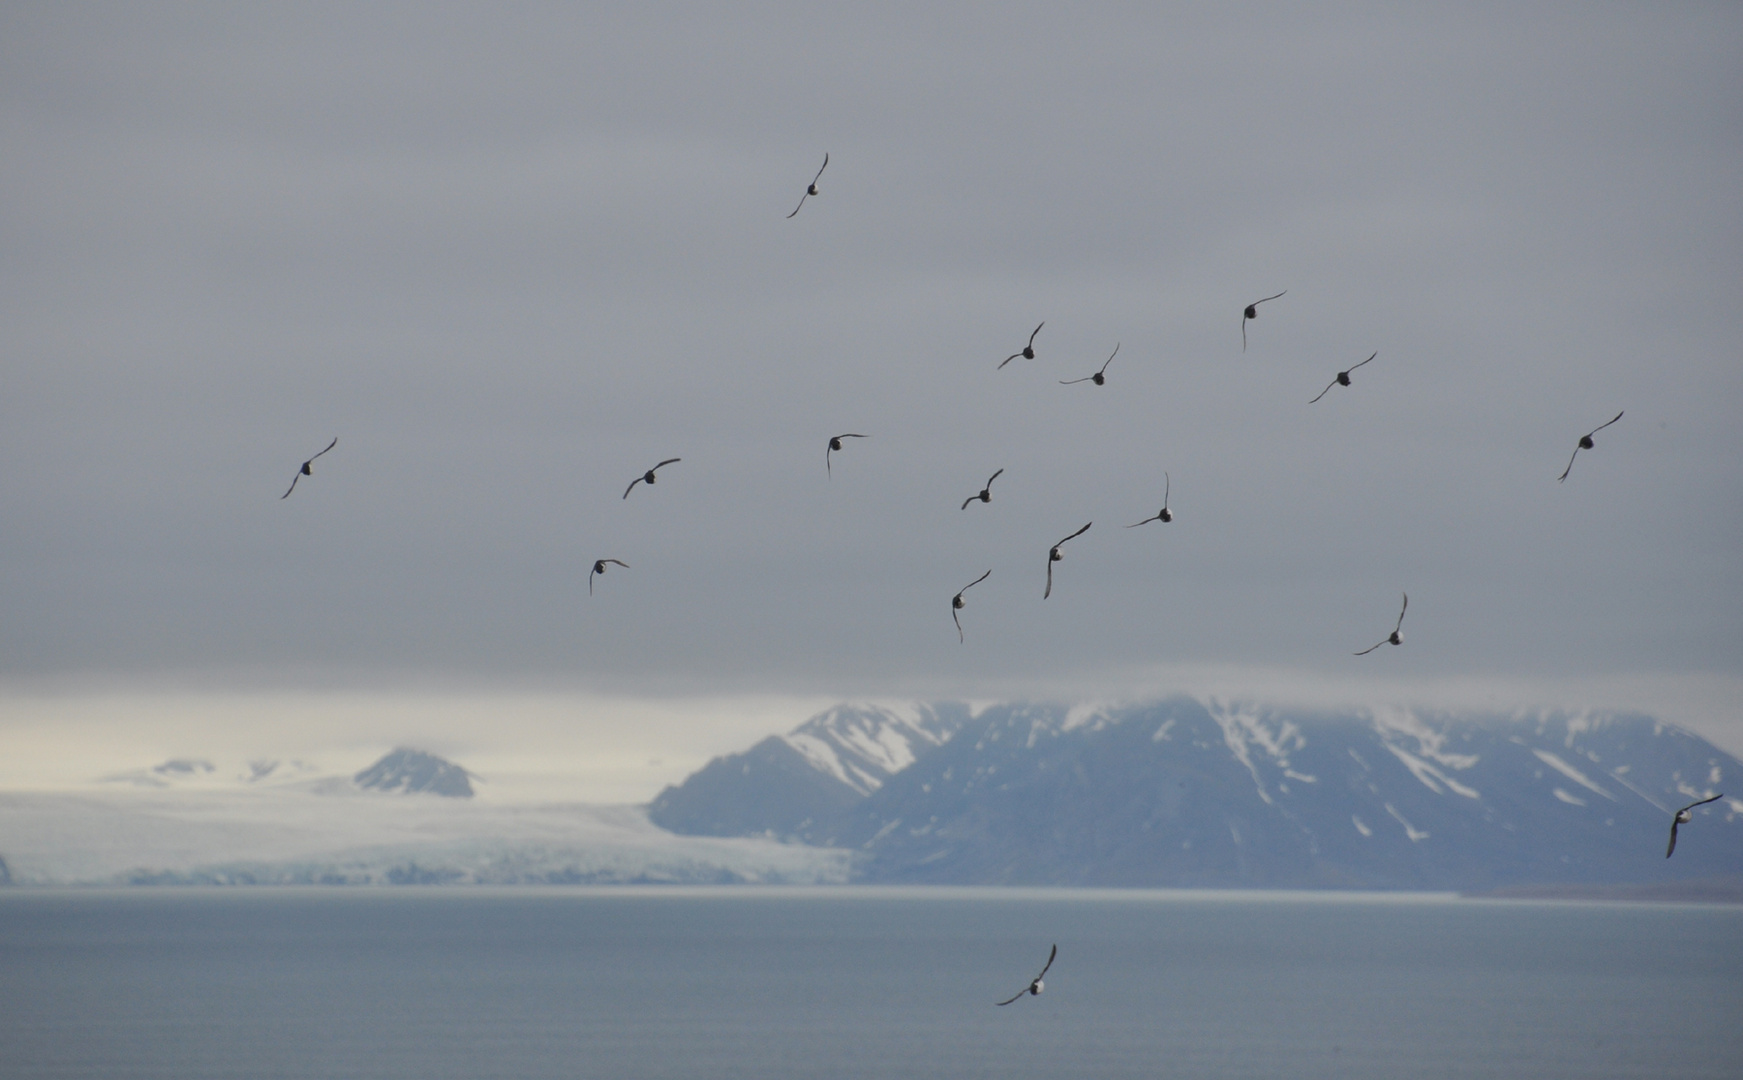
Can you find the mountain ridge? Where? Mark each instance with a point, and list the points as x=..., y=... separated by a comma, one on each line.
x=1220, y=793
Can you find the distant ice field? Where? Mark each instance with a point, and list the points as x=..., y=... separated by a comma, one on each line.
x=858, y=982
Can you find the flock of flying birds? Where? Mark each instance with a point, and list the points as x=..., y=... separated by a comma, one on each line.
x=1054, y=554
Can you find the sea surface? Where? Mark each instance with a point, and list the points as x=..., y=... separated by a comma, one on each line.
x=849, y=982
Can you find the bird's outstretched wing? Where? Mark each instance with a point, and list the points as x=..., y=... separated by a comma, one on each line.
x=1075, y=535
x=1008, y=1000
x=1049, y=964
x=1070, y=382
x=1589, y=434
x=1672, y=846
x=960, y=639
x=1245, y=316
x=994, y=476
x=989, y=574
x=1371, y=648
x=1363, y=362
x=1146, y=521
x=668, y=461
x=631, y=487
x=1007, y=360
x=1037, y=330
x=968, y=500
x=590, y=576
x=1703, y=802
x=1570, y=466
x=1326, y=391
x=293, y=486
x=1045, y=593
x=1401, y=612
x=335, y=442
x=801, y=205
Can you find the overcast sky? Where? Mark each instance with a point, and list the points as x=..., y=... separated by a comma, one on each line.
x=512, y=257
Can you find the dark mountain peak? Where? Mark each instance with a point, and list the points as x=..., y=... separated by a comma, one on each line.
x=410, y=771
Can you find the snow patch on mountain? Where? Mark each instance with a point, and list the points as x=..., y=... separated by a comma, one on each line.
x=1397, y=724
x=863, y=745
x=1570, y=772
x=1244, y=729
x=1431, y=777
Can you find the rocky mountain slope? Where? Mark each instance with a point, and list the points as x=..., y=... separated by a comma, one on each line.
x=787, y=785
x=1190, y=793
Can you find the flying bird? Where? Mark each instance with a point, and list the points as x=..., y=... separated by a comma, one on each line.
x=1252, y=312
x=986, y=493
x=1164, y=515
x=305, y=470
x=1343, y=379
x=957, y=603
x=648, y=477
x=834, y=445
x=1054, y=555
x=1585, y=444
x=1098, y=378
x=1036, y=986
x=1028, y=352
x=1683, y=817
x=812, y=188
x=599, y=568
x=1397, y=637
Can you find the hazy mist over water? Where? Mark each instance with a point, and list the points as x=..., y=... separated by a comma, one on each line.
x=860, y=983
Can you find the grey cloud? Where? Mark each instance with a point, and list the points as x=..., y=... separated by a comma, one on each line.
x=512, y=259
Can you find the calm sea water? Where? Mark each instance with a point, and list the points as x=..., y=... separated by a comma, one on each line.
x=859, y=983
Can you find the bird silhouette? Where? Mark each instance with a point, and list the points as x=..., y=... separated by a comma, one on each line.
x=1343, y=379
x=1035, y=985
x=648, y=477
x=599, y=568
x=306, y=470
x=1054, y=555
x=1099, y=377
x=986, y=493
x=1252, y=312
x=1163, y=515
x=1683, y=817
x=834, y=445
x=811, y=189
x=1028, y=352
x=1397, y=637
x=1585, y=444
x=957, y=603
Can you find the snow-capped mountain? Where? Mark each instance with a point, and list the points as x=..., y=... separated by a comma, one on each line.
x=413, y=771
x=1215, y=793
x=787, y=783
